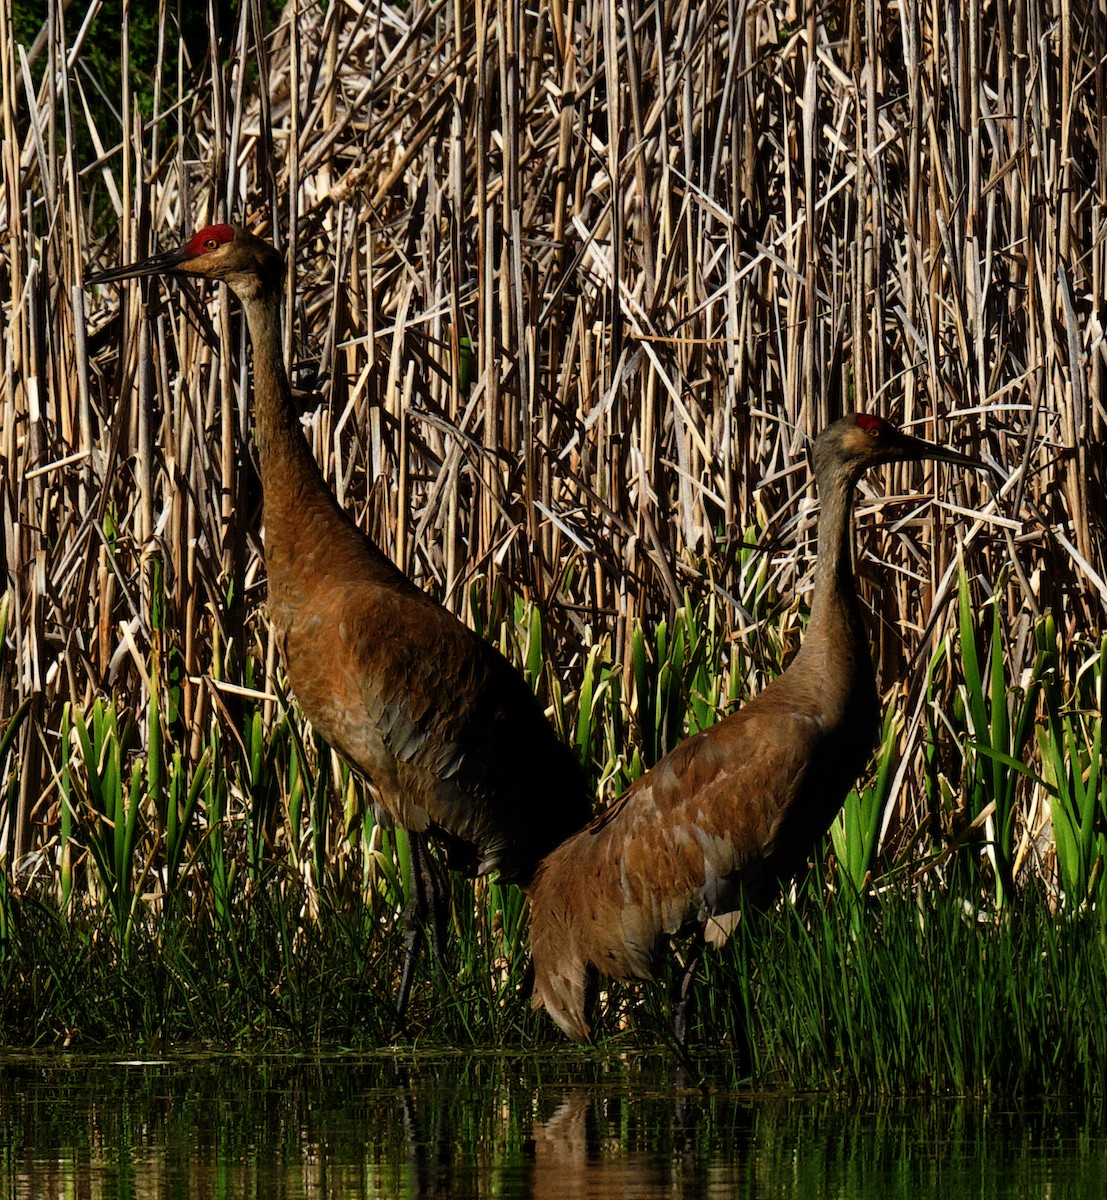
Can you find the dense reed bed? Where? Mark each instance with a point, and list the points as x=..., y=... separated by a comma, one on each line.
x=570, y=287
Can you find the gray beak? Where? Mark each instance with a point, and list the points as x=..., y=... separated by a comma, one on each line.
x=157, y=264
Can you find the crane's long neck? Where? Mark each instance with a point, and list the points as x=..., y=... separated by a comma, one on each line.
x=835, y=610
x=835, y=650
x=282, y=449
x=307, y=535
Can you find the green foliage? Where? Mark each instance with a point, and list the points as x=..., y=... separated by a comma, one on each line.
x=923, y=995
x=1071, y=744
x=679, y=676
x=112, y=802
x=166, y=46
x=250, y=898
x=1000, y=721
x=856, y=829
x=986, y=733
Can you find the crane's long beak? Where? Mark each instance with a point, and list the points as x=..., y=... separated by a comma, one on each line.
x=157, y=264
x=908, y=448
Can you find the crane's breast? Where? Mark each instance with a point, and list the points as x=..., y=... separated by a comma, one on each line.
x=445, y=729
x=348, y=685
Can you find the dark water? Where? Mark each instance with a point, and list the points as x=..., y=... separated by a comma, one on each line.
x=502, y=1127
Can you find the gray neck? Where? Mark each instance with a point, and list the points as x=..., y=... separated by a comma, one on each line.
x=281, y=445
x=836, y=620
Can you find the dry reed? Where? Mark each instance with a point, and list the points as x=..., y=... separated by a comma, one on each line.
x=649, y=225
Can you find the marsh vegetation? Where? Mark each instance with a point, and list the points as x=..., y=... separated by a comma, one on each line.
x=565, y=289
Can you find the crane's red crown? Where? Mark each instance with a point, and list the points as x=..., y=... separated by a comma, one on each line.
x=874, y=426
x=208, y=239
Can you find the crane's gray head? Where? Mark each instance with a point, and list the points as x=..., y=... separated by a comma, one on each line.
x=853, y=444
x=249, y=266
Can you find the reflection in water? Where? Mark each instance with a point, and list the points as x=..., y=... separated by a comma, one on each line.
x=596, y=1146
x=564, y=1128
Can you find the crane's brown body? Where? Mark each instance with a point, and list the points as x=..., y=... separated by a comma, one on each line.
x=450, y=736
x=739, y=807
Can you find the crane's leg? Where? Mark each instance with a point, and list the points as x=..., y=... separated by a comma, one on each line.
x=683, y=996
x=435, y=906
x=428, y=904
x=686, y=1073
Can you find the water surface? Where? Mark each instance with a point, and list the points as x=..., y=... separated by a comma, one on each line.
x=561, y=1126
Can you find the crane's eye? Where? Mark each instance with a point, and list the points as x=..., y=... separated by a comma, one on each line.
x=873, y=426
x=210, y=244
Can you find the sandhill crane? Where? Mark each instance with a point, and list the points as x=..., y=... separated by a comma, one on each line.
x=449, y=735
x=739, y=807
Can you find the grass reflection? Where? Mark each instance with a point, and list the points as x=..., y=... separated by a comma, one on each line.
x=543, y=1127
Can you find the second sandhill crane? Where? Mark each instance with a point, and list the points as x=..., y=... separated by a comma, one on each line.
x=448, y=733
x=738, y=808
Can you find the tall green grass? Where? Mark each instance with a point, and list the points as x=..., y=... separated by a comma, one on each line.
x=1071, y=744
x=246, y=896
x=923, y=994
x=912, y=993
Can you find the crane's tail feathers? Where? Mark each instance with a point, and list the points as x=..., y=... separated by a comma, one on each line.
x=560, y=956
x=561, y=992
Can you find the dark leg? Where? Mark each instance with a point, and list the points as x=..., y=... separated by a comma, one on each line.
x=684, y=996
x=413, y=917
x=437, y=902
x=686, y=1074
x=429, y=899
